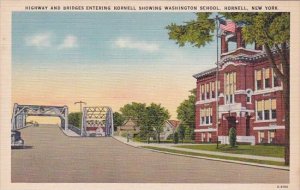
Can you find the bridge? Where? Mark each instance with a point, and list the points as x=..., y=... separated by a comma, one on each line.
x=96, y=121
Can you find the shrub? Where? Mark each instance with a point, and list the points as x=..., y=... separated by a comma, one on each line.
x=176, y=138
x=170, y=137
x=232, y=137
x=75, y=119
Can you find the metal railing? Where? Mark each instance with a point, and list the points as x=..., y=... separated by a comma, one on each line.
x=74, y=129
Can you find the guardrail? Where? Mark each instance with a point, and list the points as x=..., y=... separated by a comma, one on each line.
x=74, y=129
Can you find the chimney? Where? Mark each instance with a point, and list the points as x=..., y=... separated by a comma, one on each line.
x=258, y=47
x=239, y=38
x=224, y=44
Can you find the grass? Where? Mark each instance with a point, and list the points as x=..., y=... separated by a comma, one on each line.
x=259, y=150
x=215, y=156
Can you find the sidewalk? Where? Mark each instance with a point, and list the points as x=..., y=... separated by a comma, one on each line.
x=171, y=146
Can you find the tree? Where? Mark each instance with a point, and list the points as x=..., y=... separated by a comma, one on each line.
x=269, y=29
x=176, y=138
x=181, y=132
x=134, y=111
x=118, y=120
x=155, y=118
x=75, y=119
x=186, y=110
x=232, y=137
x=188, y=133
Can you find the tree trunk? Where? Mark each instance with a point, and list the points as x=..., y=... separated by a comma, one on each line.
x=285, y=78
x=158, y=137
x=148, y=139
x=286, y=99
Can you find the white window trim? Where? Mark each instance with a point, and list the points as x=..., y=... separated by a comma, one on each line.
x=264, y=82
x=233, y=95
x=263, y=113
x=268, y=90
x=209, y=118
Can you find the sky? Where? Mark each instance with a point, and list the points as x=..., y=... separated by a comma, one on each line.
x=105, y=59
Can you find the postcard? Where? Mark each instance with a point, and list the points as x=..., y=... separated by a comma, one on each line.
x=149, y=94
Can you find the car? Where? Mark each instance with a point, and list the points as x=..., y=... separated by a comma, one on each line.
x=16, y=140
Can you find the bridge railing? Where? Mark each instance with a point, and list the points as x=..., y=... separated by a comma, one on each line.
x=74, y=129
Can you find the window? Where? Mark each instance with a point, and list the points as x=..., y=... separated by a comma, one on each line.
x=206, y=116
x=273, y=108
x=212, y=88
x=267, y=78
x=218, y=87
x=259, y=110
x=258, y=81
x=207, y=91
x=230, y=87
x=209, y=137
x=266, y=110
x=261, y=136
x=267, y=107
x=271, y=138
x=249, y=94
x=202, y=92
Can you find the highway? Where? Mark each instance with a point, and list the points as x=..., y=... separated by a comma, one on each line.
x=52, y=157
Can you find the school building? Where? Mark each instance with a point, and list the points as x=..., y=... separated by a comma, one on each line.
x=250, y=96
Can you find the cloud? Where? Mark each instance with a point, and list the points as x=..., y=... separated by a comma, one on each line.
x=127, y=43
x=69, y=42
x=40, y=40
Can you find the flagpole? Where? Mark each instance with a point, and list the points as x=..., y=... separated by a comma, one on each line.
x=217, y=84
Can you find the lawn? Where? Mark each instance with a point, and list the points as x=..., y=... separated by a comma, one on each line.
x=216, y=156
x=259, y=150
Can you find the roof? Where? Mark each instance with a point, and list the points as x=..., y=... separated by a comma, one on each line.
x=174, y=123
x=205, y=73
x=253, y=58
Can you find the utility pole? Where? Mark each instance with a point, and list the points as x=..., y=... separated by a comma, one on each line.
x=80, y=102
x=217, y=83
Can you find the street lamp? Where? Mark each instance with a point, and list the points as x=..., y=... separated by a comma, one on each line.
x=80, y=102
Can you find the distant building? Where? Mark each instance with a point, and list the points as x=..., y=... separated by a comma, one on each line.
x=169, y=128
x=128, y=127
x=249, y=97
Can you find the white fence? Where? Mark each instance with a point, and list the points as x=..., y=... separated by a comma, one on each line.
x=246, y=139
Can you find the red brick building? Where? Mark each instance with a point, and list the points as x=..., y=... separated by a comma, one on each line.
x=249, y=97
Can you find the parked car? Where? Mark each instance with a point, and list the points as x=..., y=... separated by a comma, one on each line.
x=16, y=140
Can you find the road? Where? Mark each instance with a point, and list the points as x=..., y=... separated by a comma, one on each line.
x=51, y=156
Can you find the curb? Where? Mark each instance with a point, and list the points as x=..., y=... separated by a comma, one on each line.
x=214, y=159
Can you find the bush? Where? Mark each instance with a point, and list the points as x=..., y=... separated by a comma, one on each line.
x=75, y=119
x=232, y=137
x=176, y=138
x=170, y=137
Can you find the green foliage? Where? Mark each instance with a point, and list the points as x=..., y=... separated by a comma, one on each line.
x=269, y=29
x=263, y=28
x=188, y=133
x=154, y=119
x=150, y=119
x=176, y=138
x=181, y=132
x=186, y=110
x=119, y=119
x=232, y=137
x=134, y=111
x=197, y=32
x=75, y=119
x=170, y=137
